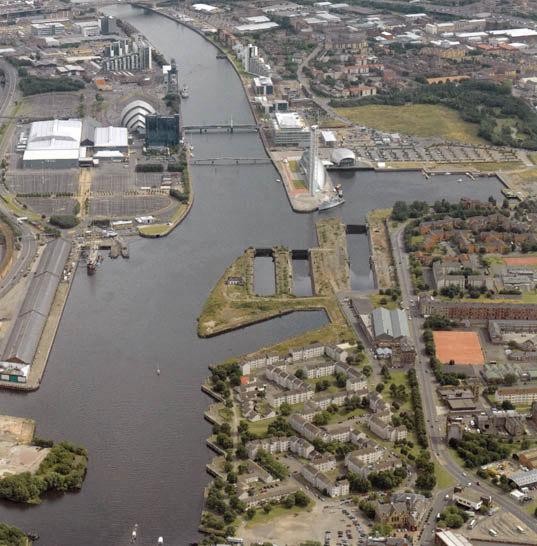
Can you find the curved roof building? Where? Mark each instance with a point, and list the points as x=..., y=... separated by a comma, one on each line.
x=343, y=156
x=133, y=115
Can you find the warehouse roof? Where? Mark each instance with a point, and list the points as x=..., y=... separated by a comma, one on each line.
x=88, y=130
x=55, y=134
x=24, y=337
x=26, y=332
x=40, y=294
x=111, y=137
x=54, y=257
x=392, y=324
x=340, y=154
x=525, y=478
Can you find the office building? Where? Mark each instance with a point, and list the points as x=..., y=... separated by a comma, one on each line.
x=162, y=131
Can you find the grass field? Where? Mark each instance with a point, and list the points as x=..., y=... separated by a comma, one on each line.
x=443, y=478
x=375, y=301
x=424, y=120
x=294, y=166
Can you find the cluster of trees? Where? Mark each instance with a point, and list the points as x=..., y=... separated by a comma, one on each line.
x=222, y=499
x=402, y=212
x=439, y=322
x=271, y=465
x=415, y=399
x=48, y=194
x=62, y=469
x=223, y=435
x=383, y=480
x=368, y=508
x=12, y=536
x=222, y=373
x=394, y=293
x=36, y=85
x=173, y=102
x=149, y=168
x=64, y=221
x=453, y=517
x=480, y=449
x=426, y=478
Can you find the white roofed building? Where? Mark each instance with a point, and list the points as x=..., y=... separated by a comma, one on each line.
x=112, y=139
x=290, y=129
x=53, y=144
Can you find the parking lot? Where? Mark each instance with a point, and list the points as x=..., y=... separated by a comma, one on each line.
x=340, y=518
x=120, y=207
x=48, y=206
x=58, y=181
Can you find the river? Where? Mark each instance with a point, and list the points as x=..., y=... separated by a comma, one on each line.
x=145, y=433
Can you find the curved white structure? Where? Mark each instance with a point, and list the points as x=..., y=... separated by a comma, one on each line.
x=133, y=115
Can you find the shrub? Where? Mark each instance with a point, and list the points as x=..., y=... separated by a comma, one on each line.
x=64, y=221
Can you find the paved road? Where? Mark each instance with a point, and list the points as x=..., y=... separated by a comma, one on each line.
x=439, y=449
x=28, y=243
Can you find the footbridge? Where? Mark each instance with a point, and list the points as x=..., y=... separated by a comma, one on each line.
x=231, y=161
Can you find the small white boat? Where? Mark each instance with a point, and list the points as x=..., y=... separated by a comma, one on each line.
x=459, y=180
x=134, y=533
x=160, y=540
x=158, y=370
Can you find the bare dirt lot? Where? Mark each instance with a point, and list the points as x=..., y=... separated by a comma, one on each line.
x=16, y=453
x=462, y=347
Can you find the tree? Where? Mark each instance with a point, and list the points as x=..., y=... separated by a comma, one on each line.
x=400, y=211
x=341, y=380
x=289, y=501
x=301, y=499
x=380, y=387
x=267, y=508
x=509, y=379
x=507, y=405
x=322, y=418
x=367, y=370
x=250, y=513
x=300, y=373
x=64, y=221
x=285, y=408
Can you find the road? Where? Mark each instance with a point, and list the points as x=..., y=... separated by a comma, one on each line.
x=438, y=447
x=28, y=243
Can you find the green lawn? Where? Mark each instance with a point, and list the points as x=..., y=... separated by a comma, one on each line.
x=530, y=508
x=425, y=120
x=299, y=184
x=375, y=301
x=260, y=427
x=226, y=414
x=443, y=478
x=276, y=512
x=294, y=167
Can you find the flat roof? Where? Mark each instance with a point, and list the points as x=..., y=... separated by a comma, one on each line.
x=258, y=26
x=290, y=120
x=110, y=137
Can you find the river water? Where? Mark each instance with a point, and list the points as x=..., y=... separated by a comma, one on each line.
x=145, y=433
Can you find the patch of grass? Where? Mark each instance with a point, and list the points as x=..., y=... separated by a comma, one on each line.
x=375, y=300
x=425, y=120
x=156, y=229
x=226, y=414
x=294, y=167
x=530, y=508
x=276, y=512
x=532, y=156
x=443, y=478
x=260, y=427
x=299, y=184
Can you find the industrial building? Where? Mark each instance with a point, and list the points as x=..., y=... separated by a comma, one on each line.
x=26, y=332
x=111, y=142
x=47, y=29
x=389, y=325
x=87, y=28
x=290, y=129
x=162, y=131
x=134, y=114
x=53, y=144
